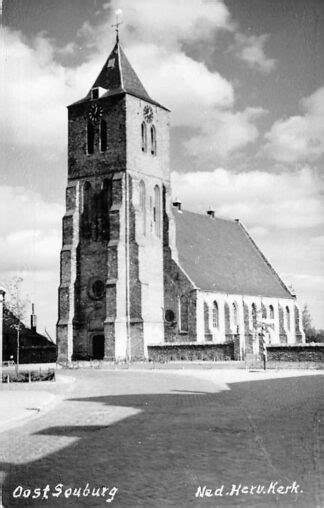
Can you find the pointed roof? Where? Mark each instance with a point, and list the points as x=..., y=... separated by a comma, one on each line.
x=219, y=255
x=118, y=76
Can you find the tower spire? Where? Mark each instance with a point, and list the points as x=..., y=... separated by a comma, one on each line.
x=118, y=22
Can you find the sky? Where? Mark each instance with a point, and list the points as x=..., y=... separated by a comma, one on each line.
x=244, y=82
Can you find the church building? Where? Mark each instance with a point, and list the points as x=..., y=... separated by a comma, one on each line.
x=140, y=277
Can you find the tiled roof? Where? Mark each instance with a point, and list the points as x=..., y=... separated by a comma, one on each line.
x=118, y=76
x=219, y=255
x=27, y=336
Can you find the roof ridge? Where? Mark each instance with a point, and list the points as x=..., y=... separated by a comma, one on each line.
x=207, y=216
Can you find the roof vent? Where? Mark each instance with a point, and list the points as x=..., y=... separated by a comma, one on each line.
x=237, y=220
x=177, y=204
x=211, y=212
x=95, y=93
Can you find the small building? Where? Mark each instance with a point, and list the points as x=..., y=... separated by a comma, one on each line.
x=33, y=346
x=139, y=276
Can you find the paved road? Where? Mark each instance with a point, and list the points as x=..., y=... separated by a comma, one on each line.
x=161, y=437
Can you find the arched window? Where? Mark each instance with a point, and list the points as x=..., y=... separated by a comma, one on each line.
x=235, y=316
x=144, y=137
x=254, y=316
x=153, y=140
x=106, y=202
x=288, y=318
x=183, y=313
x=215, y=315
x=157, y=210
x=103, y=135
x=87, y=210
x=90, y=137
x=142, y=199
x=271, y=312
x=87, y=192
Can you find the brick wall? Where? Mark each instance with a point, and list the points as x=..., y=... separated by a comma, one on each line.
x=191, y=352
x=82, y=165
x=296, y=353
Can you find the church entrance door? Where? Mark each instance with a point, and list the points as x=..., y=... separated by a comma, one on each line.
x=98, y=347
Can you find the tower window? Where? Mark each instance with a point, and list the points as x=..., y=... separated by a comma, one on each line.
x=87, y=194
x=103, y=135
x=157, y=210
x=144, y=137
x=143, y=204
x=96, y=288
x=153, y=140
x=215, y=315
x=90, y=137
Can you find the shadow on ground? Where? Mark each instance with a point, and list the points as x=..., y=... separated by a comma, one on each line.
x=256, y=433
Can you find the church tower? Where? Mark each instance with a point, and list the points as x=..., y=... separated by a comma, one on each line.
x=111, y=279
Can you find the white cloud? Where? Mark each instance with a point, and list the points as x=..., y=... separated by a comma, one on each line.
x=288, y=200
x=22, y=209
x=181, y=83
x=225, y=131
x=29, y=230
x=198, y=97
x=170, y=22
x=299, y=138
x=34, y=97
x=36, y=91
x=250, y=49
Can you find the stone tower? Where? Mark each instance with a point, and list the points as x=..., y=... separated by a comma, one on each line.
x=111, y=300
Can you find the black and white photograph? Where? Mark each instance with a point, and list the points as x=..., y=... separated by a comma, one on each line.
x=161, y=265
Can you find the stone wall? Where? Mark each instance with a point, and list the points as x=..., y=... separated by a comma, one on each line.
x=296, y=353
x=191, y=352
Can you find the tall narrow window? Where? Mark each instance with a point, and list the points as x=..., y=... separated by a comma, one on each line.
x=86, y=215
x=183, y=313
x=288, y=318
x=254, y=316
x=87, y=200
x=142, y=196
x=106, y=202
x=153, y=140
x=235, y=316
x=103, y=135
x=90, y=137
x=271, y=312
x=157, y=210
x=215, y=315
x=144, y=137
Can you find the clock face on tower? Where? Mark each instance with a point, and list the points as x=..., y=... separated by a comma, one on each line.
x=95, y=113
x=148, y=114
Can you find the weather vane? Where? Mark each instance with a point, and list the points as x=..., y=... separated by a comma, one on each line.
x=118, y=22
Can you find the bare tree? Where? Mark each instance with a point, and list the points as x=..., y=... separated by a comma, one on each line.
x=16, y=303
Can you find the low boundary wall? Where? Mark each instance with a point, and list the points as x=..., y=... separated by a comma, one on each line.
x=191, y=352
x=296, y=353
